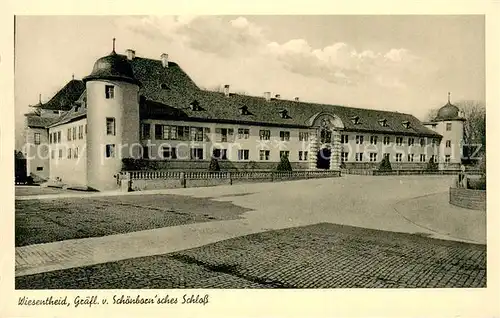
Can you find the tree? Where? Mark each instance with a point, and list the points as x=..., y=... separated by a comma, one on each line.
x=432, y=165
x=385, y=164
x=214, y=165
x=284, y=164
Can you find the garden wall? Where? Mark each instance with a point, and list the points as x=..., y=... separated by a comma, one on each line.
x=468, y=198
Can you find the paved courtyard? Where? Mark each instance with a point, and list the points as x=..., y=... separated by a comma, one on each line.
x=283, y=218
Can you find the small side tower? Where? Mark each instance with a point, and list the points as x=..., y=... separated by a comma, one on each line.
x=112, y=119
x=450, y=124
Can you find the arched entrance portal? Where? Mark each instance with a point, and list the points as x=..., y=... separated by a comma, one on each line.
x=323, y=158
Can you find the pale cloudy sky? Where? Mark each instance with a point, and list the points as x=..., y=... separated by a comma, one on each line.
x=399, y=63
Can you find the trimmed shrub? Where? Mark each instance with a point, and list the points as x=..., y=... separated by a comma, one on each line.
x=385, y=165
x=131, y=164
x=477, y=184
x=214, y=165
x=251, y=165
x=284, y=164
x=432, y=165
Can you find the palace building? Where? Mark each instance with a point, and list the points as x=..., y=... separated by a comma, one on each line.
x=135, y=107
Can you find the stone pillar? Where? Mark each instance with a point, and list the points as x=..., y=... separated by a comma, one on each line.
x=336, y=149
x=313, y=148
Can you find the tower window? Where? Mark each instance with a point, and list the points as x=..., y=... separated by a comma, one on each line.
x=110, y=151
x=110, y=126
x=37, y=138
x=448, y=126
x=110, y=91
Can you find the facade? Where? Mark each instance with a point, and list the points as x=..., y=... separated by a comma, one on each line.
x=133, y=107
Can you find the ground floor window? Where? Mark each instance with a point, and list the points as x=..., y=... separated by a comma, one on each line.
x=197, y=153
x=303, y=155
x=422, y=158
x=447, y=158
x=75, y=153
x=359, y=156
x=220, y=154
x=264, y=154
x=344, y=156
x=399, y=157
x=373, y=156
x=39, y=168
x=169, y=153
x=284, y=153
x=110, y=151
x=243, y=154
x=410, y=157
x=60, y=153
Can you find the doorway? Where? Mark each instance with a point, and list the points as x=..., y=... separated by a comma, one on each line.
x=323, y=158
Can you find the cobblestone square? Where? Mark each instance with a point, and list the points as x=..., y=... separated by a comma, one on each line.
x=318, y=256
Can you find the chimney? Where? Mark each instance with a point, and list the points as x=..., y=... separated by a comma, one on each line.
x=277, y=96
x=267, y=96
x=226, y=90
x=296, y=99
x=164, y=60
x=130, y=54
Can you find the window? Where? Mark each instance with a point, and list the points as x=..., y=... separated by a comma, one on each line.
x=355, y=120
x=69, y=153
x=284, y=153
x=411, y=141
x=224, y=134
x=383, y=122
x=60, y=153
x=145, y=131
x=220, y=154
x=447, y=158
x=265, y=134
x=284, y=135
x=182, y=133
x=74, y=133
x=110, y=126
x=406, y=124
x=39, y=168
x=243, y=133
x=52, y=154
x=303, y=155
x=68, y=134
x=37, y=138
x=197, y=134
x=359, y=140
x=196, y=153
x=433, y=158
x=399, y=157
x=85, y=129
x=50, y=138
x=399, y=141
x=110, y=91
x=158, y=132
x=110, y=151
x=422, y=158
x=169, y=153
x=326, y=136
x=58, y=137
x=243, y=154
x=145, y=152
x=75, y=153
x=448, y=143
x=344, y=139
x=373, y=140
x=387, y=140
x=344, y=156
x=386, y=156
x=80, y=132
x=422, y=142
x=359, y=156
x=264, y=154
x=410, y=157
x=373, y=156
x=448, y=126
x=303, y=136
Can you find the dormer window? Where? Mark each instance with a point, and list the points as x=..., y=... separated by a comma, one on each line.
x=383, y=122
x=164, y=86
x=195, y=105
x=355, y=120
x=406, y=124
x=284, y=114
x=244, y=110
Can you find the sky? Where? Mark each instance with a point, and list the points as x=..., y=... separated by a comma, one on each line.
x=400, y=63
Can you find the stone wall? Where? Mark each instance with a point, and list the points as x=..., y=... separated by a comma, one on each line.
x=469, y=199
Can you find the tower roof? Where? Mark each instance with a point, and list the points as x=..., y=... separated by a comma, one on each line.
x=112, y=67
x=448, y=112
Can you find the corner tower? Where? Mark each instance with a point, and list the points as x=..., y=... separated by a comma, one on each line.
x=112, y=119
x=450, y=124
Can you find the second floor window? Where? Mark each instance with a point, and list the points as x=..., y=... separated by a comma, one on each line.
x=68, y=134
x=243, y=133
x=110, y=126
x=326, y=136
x=399, y=141
x=303, y=136
x=422, y=142
x=411, y=141
x=265, y=134
x=344, y=139
x=284, y=135
x=387, y=140
x=359, y=139
x=448, y=143
x=373, y=140
x=224, y=134
x=146, y=131
x=110, y=91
